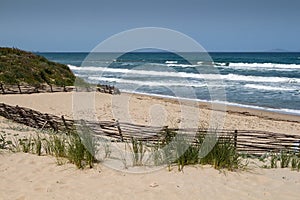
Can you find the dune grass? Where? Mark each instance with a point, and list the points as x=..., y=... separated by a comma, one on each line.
x=222, y=155
x=178, y=149
x=282, y=159
x=4, y=143
x=138, y=150
x=174, y=149
x=63, y=147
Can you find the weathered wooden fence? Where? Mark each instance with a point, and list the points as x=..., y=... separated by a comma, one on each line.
x=247, y=141
x=29, y=89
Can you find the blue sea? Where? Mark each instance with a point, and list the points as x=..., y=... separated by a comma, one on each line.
x=267, y=81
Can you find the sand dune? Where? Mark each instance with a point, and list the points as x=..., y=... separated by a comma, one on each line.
x=27, y=176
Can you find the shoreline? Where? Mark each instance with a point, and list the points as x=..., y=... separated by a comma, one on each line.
x=235, y=109
x=158, y=111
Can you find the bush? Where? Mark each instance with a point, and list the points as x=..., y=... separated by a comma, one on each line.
x=17, y=66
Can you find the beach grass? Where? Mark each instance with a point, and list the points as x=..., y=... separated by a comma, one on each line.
x=26, y=144
x=173, y=149
x=76, y=151
x=282, y=159
x=38, y=145
x=61, y=146
x=3, y=142
x=138, y=150
x=177, y=149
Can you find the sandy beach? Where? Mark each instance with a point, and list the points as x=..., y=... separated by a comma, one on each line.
x=156, y=111
x=154, y=100
x=27, y=176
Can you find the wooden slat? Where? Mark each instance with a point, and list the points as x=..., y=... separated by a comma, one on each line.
x=255, y=142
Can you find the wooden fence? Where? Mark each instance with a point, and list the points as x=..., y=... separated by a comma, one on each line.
x=29, y=89
x=246, y=141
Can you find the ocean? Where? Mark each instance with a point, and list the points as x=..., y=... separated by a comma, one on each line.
x=266, y=81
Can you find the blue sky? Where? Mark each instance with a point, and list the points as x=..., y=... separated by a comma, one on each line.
x=218, y=25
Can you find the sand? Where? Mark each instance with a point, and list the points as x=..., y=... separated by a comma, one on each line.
x=27, y=176
x=148, y=110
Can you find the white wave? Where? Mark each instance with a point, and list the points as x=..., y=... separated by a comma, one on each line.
x=171, y=62
x=181, y=65
x=249, y=66
x=148, y=83
x=229, y=77
x=260, y=65
x=72, y=66
x=264, y=87
x=166, y=73
x=128, y=64
x=262, y=79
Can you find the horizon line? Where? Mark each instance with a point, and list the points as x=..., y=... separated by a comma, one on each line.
x=168, y=52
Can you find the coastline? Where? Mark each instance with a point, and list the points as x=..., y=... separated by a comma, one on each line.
x=66, y=181
x=153, y=110
x=235, y=109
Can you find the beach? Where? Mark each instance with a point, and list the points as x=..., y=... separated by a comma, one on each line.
x=157, y=111
x=150, y=100
x=27, y=176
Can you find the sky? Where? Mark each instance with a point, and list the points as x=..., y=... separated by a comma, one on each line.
x=218, y=25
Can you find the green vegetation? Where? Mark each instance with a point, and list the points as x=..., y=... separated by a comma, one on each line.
x=21, y=67
x=80, y=149
x=283, y=159
x=3, y=142
x=64, y=147
x=26, y=144
x=176, y=149
x=223, y=155
x=138, y=151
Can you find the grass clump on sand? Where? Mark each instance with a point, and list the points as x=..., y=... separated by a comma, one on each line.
x=64, y=147
x=172, y=149
x=283, y=159
x=182, y=150
x=223, y=155
x=3, y=142
x=138, y=151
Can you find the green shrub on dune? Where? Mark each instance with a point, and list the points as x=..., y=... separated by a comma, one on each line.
x=21, y=67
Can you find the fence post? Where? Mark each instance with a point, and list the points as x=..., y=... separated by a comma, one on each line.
x=5, y=111
x=53, y=126
x=167, y=134
x=64, y=121
x=34, y=118
x=19, y=89
x=3, y=91
x=36, y=89
x=120, y=131
x=235, y=138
